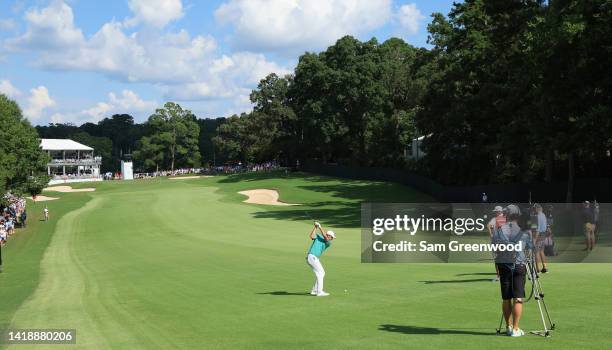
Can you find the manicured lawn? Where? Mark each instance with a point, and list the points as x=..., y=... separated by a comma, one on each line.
x=185, y=264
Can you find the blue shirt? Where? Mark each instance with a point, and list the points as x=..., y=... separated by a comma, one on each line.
x=542, y=225
x=318, y=246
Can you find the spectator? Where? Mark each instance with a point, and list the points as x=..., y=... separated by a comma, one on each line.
x=588, y=226
x=12, y=213
x=541, y=227
x=595, y=218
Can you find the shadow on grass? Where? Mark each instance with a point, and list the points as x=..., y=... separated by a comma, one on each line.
x=375, y=192
x=340, y=216
x=284, y=293
x=342, y=205
x=430, y=330
x=457, y=281
x=345, y=211
x=233, y=178
x=477, y=274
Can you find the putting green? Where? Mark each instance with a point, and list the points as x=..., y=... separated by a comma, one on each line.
x=185, y=264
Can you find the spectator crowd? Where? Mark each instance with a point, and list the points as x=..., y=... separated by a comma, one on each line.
x=13, y=212
x=222, y=169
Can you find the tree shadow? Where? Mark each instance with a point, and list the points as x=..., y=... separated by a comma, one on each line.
x=375, y=192
x=342, y=205
x=457, y=281
x=344, y=208
x=477, y=274
x=284, y=293
x=339, y=216
x=254, y=176
x=430, y=330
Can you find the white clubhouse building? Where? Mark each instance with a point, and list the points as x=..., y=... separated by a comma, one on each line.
x=71, y=161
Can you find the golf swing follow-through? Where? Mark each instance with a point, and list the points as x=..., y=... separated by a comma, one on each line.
x=320, y=242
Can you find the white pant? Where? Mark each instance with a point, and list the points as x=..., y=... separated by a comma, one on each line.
x=317, y=268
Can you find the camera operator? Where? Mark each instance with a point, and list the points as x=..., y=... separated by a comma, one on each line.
x=512, y=268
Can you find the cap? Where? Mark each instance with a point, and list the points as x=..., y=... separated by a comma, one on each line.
x=512, y=210
x=498, y=208
x=331, y=233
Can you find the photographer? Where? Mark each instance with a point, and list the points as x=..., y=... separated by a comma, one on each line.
x=512, y=269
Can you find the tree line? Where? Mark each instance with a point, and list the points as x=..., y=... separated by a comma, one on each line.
x=119, y=137
x=509, y=91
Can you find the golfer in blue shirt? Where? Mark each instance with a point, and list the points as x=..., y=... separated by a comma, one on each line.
x=320, y=242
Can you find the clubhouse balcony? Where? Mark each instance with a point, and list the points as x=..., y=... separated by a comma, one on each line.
x=71, y=161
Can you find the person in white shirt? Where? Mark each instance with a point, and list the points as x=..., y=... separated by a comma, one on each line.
x=540, y=236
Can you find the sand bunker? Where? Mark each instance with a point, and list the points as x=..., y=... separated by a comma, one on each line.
x=263, y=196
x=68, y=189
x=184, y=177
x=43, y=198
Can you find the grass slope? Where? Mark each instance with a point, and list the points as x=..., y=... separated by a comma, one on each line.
x=186, y=264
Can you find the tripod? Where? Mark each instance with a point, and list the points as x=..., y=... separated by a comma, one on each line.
x=538, y=294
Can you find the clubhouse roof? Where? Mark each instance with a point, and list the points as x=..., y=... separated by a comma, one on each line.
x=63, y=145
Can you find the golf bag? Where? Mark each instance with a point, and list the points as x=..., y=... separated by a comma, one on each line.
x=549, y=246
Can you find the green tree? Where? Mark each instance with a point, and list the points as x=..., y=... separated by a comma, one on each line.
x=275, y=119
x=478, y=105
x=23, y=165
x=150, y=153
x=174, y=132
x=236, y=138
x=208, y=130
x=356, y=101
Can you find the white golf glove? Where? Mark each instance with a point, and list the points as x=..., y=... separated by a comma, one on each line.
x=317, y=224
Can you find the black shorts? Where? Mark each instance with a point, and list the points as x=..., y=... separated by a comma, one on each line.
x=512, y=281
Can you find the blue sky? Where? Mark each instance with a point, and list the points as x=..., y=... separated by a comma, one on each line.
x=81, y=60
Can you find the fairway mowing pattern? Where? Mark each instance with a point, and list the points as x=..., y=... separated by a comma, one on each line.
x=173, y=264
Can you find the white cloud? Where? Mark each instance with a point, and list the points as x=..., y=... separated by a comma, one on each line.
x=49, y=28
x=98, y=111
x=226, y=77
x=299, y=25
x=8, y=89
x=7, y=24
x=157, y=13
x=127, y=102
x=242, y=103
x=183, y=66
x=409, y=18
x=38, y=101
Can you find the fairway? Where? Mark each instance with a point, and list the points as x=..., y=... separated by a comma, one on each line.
x=159, y=264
